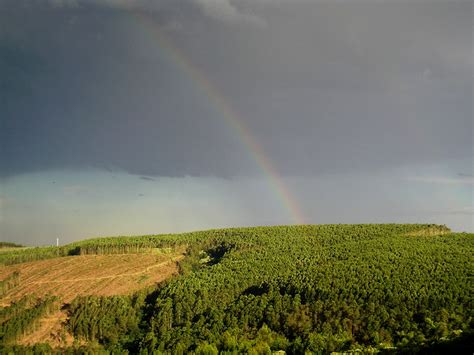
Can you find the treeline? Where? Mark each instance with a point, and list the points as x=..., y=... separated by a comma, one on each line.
x=104, y=249
x=15, y=256
x=142, y=244
x=23, y=317
x=99, y=246
x=10, y=245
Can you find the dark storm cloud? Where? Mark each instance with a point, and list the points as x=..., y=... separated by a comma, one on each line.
x=147, y=178
x=322, y=86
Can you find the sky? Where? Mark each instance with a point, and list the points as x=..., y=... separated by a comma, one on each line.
x=122, y=117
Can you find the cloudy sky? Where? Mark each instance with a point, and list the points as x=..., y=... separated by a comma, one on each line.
x=121, y=117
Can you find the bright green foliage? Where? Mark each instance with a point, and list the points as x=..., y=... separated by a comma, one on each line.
x=326, y=288
x=23, y=317
x=112, y=320
x=293, y=288
x=16, y=256
x=16, y=308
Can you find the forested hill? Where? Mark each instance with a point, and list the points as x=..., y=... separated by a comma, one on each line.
x=297, y=289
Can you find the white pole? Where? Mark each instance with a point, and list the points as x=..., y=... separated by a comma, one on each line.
x=57, y=242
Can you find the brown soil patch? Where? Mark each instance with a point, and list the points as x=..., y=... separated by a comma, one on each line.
x=429, y=232
x=102, y=275
x=51, y=330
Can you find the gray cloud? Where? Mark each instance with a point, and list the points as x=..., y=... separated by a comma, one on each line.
x=323, y=88
x=443, y=180
x=75, y=189
x=62, y=3
x=221, y=10
x=123, y=117
x=224, y=11
x=465, y=211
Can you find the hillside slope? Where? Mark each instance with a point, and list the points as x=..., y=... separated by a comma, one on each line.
x=292, y=288
x=101, y=275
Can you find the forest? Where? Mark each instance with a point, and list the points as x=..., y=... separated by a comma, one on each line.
x=299, y=289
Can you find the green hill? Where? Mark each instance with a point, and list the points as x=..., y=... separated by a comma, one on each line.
x=259, y=290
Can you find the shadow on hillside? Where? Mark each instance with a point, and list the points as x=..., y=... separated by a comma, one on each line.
x=257, y=290
x=74, y=251
x=463, y=344
x=218, y=252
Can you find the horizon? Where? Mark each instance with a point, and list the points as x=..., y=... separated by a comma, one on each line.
x=90, y=238
x=133, y=118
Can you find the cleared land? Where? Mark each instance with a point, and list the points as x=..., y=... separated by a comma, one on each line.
x=102, y=275
x=52, y=330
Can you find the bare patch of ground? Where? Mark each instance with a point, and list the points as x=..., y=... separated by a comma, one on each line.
x=429, y=232
x=52, y=330
x=102, y=275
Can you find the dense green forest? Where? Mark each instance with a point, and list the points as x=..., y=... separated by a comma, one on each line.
x=317, y=289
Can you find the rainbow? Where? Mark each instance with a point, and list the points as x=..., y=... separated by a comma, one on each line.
x=231, y=118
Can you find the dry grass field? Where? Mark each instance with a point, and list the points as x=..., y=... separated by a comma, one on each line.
x=103, y=275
